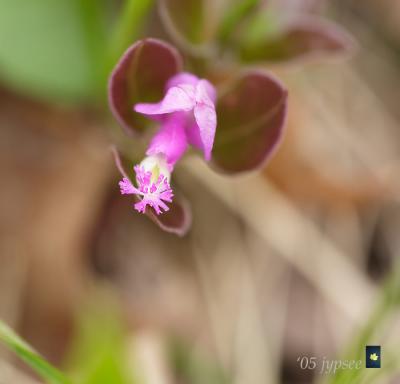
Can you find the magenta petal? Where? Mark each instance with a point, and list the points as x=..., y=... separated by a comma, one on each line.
x=153, y=193
x=206, y=117
x=127, y=187
x=190, y=79
x=170, y=140
x=209, y=88
x=182, y=78
x=179, y=98
x=193, y=135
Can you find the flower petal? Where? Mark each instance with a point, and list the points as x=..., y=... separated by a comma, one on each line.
x=193, y=134
x=170, y=140
x=206, y=119
x=127, y=187
x=180, y=98
x=154, y=193
x=205, y=85
x=182, y=78
x=205, y=116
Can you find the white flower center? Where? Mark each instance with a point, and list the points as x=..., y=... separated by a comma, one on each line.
x=157, y=165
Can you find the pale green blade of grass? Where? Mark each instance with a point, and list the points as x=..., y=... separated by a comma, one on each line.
x=26, y=353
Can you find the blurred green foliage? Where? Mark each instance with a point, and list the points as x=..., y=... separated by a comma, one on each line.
x=235, y=14
x=187, y=19
x=372, y=333
x=192, y=367
x=43, y=50
x=63, y=50
x=98, y=353
x=12, y=341
x=261, y=26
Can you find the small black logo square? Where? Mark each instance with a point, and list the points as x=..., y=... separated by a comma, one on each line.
x=373, y=356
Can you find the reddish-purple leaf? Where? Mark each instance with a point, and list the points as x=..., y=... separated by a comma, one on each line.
x=140, y=76
x=304, y=37
x=177, y=220
x=251, y=117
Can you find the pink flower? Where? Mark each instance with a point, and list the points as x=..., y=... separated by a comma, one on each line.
x=153, y=185
x=187, y=116
x=251, y=118
x=190, y=103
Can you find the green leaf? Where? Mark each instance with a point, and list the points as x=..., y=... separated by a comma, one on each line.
x=32, y=358
x=45, y=50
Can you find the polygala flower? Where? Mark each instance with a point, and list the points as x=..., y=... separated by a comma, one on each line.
x=152, y=177
x=186, y=116
x=190, y=102
x=251, y=120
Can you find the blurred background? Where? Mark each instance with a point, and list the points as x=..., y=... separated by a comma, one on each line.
x=298, y=259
